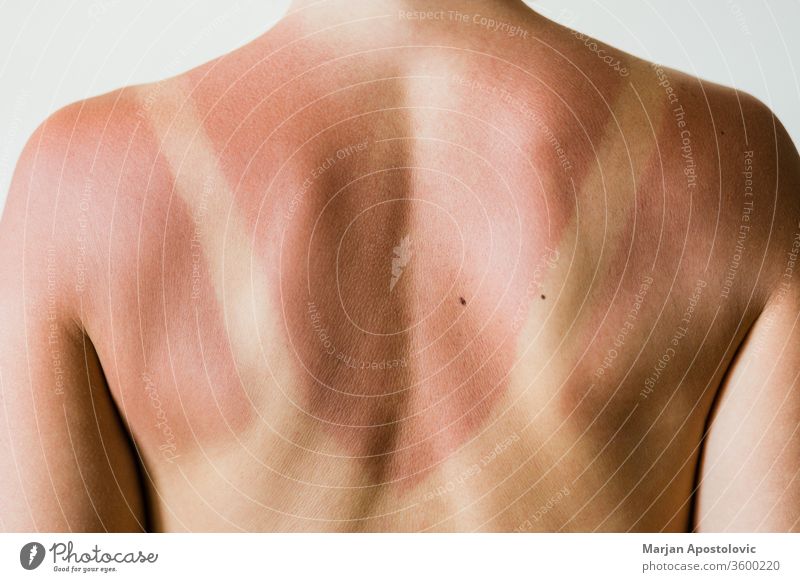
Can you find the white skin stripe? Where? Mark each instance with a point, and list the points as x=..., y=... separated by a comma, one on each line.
x=239, y=284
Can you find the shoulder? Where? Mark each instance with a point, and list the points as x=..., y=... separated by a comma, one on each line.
x=729, y=152
x=63, y=192
x=77, y=144
x=768, y=172
x=785, y=238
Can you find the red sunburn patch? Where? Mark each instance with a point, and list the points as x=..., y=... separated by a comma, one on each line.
x=399, y=295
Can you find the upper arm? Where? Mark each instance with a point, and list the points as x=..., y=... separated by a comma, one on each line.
x=66, y=463
x=750, y=470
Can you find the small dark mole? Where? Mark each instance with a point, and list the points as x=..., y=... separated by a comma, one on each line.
x=463, y=301
x=543, y=297
x=722, y=132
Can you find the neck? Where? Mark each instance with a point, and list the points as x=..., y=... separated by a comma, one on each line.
x=416, y=4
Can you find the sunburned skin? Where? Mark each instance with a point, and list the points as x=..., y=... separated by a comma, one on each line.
x=376, y=273
x=365, y=365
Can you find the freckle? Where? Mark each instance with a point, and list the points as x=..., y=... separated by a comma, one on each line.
x=463, y=301
x=722, y=132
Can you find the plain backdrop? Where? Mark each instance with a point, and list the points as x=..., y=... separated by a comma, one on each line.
x=54, y=52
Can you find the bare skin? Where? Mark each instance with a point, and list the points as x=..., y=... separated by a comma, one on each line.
x=378, y=272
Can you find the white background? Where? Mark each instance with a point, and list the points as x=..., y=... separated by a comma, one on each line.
x=54, y=52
